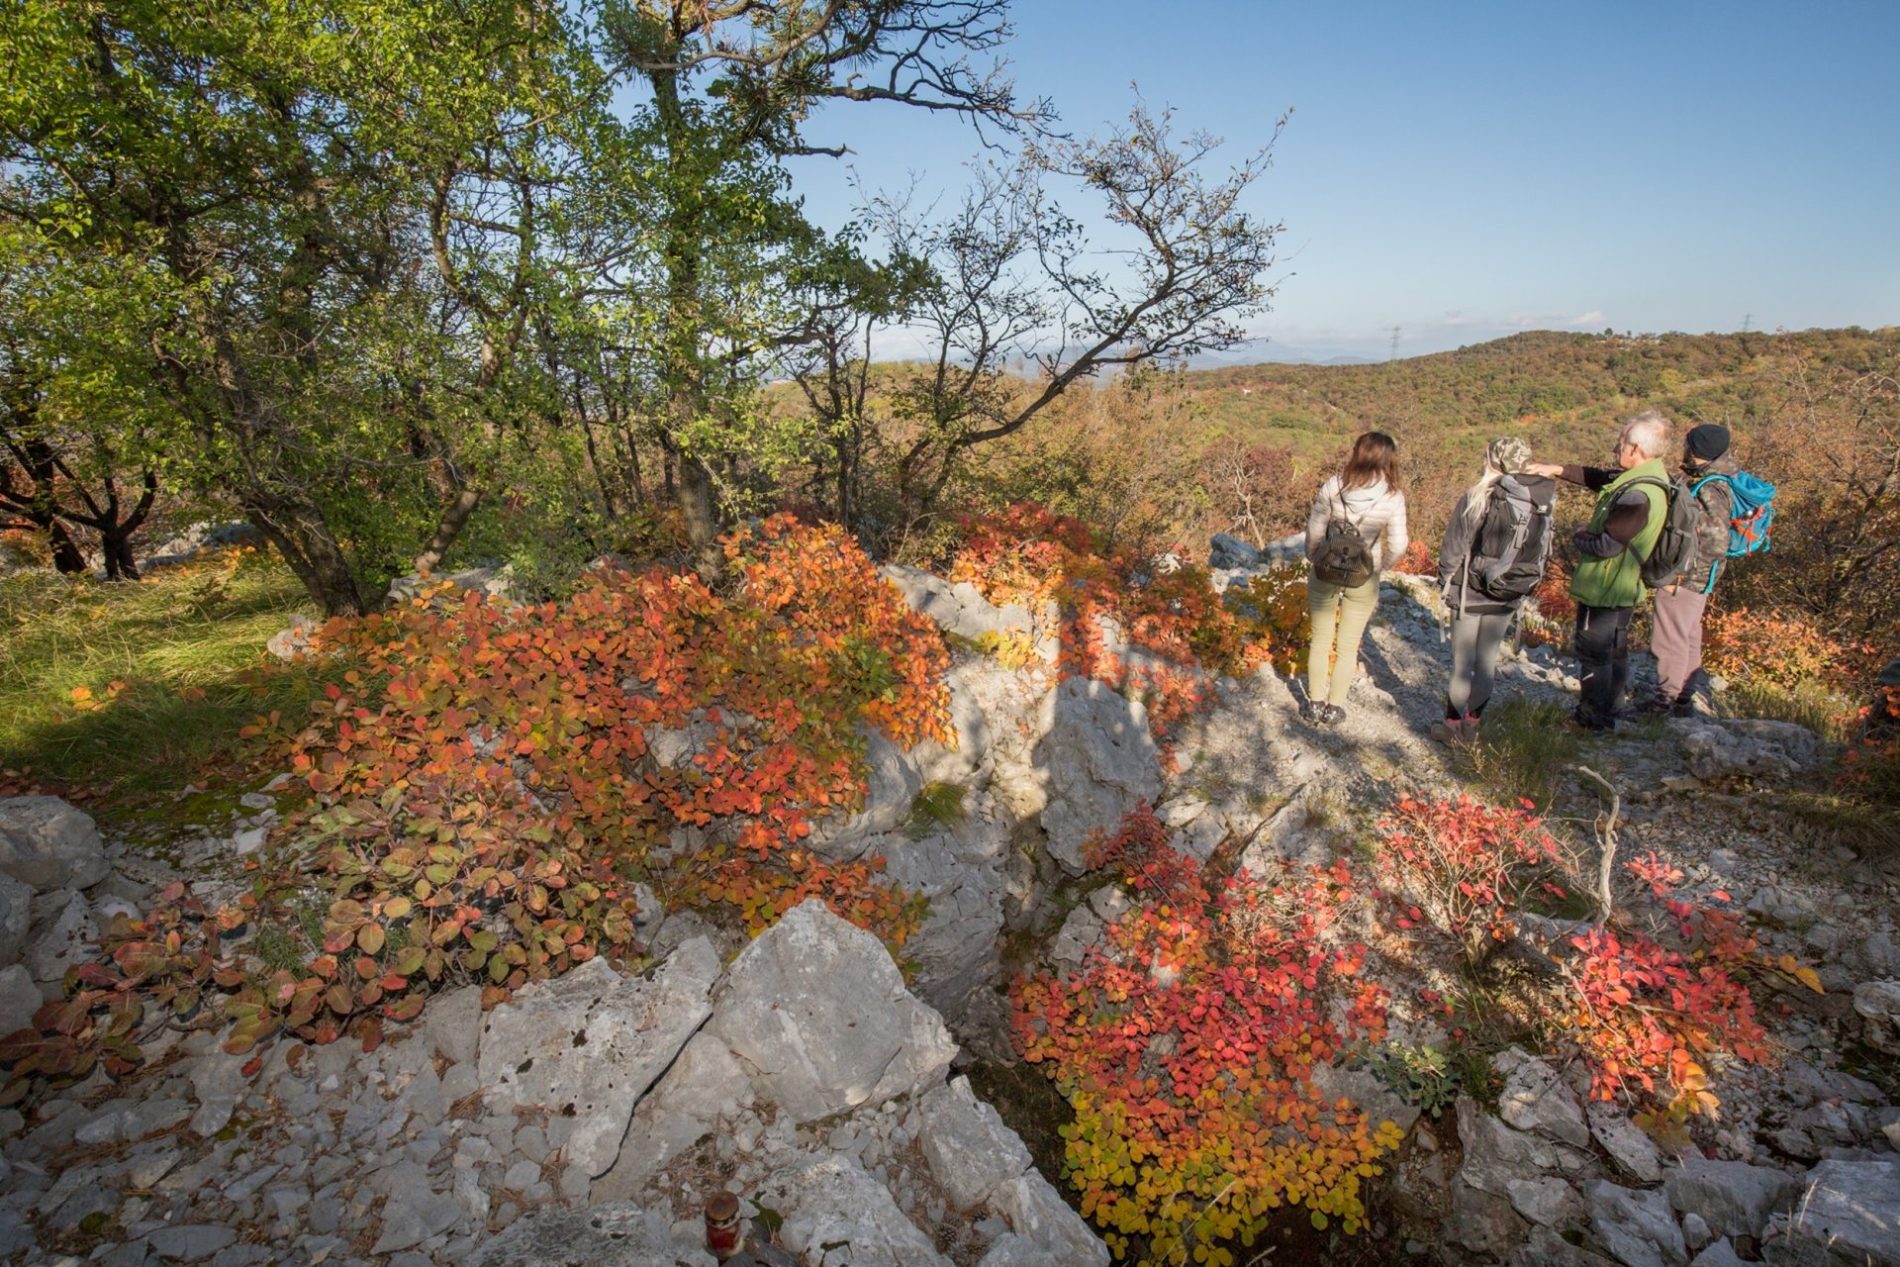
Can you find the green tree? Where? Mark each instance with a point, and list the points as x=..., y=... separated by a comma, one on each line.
x=728, y=90
x=354, y=208
x=76, y=406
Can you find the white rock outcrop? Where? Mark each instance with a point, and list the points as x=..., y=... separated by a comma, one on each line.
x=817, y=1048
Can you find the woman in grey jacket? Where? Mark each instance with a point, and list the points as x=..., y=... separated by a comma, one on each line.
x=1369, y=497
x=1492, y=558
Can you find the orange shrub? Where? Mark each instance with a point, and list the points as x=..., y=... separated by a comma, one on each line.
x=484, y=797
x=1781, y=650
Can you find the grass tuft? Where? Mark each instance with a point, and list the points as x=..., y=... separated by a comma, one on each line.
x=119, y=689
x=937, y=806
x=1523, y=753
x=1827, y=714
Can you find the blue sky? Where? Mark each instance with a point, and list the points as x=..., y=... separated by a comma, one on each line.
x=1462, y=170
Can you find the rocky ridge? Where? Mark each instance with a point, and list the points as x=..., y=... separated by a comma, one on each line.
x=590, y=1118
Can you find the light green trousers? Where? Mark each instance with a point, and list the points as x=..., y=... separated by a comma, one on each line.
x=1339, y=616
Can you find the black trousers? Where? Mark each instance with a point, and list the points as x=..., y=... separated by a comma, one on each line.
x=1603, y=661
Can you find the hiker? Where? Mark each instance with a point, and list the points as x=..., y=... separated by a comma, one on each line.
x=1676, y=638
x=1357, y=523
x=1632, y=500
x=1492, y=558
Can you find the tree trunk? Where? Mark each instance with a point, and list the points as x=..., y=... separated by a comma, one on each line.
x=702, y=520
x=68, y=558
x=448, y=528
x=680, y=362
x=303, y=537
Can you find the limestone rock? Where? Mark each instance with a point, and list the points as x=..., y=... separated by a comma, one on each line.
x=495, y=582
x=1547, y=1248
x=1035, y=1212
x=63, y=939
x=16, y=917
x=1724, y=749
x=1295, y=833
x=892, y=782
x=1877, y=1003
x=1848, y=1214
x=1624, y=1141
x=1720, y=1254
x=1733, y=1197
x=294, y=639
x=19, y=999
x=1546, y=1201
x=1364, y=1089
x=1495, y=1154
x=1536, y=1099
x=47, y=844
x=1229, y=552
x=1483, y=1222
x=452, y=1024
x=971, y=681
x=818, y=1008
x=1100, y=759
x=837, y=1215
x=588, y=1044
x=956, y=607
x=613, y=1235
x=191, y=1242
x=969, y=1149
x=1636, y=1226
x=704, y=1085
x=960, y=871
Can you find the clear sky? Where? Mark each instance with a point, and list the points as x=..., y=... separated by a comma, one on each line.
x=1462, y=170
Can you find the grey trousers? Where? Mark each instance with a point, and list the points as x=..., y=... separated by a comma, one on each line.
x=1676, y=639
x=1475, y=644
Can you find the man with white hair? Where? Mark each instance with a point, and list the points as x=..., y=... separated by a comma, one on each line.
x=1632, y=505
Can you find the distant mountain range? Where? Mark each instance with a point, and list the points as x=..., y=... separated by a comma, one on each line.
x=1273, y=352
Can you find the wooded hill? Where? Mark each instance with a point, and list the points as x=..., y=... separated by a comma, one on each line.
x=1554, y=387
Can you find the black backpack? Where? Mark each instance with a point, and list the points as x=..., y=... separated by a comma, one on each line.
x=1513, y=543
x=1674, y=551
x=1343, y=558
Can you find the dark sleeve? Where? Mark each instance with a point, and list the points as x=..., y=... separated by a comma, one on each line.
x=1456, y=545
x=1591, y=477
x=1626, y=519
x=1712, y=533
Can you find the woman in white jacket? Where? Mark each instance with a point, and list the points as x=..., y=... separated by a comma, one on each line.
x=1367, y=498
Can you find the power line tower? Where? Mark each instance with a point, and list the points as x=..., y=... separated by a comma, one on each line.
x=1748, y=321
x=1395, y=345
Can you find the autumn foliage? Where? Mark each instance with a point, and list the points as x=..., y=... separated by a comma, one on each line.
x=1646, y=1016
x=1783, y=650
x=1464, y=866
x=1187, y=1045
x=484, y=794
x=1160, y=634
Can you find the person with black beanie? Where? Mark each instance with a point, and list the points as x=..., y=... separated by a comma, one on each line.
x=1676, y=638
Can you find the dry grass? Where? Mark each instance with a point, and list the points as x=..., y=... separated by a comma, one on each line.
x=124, y=688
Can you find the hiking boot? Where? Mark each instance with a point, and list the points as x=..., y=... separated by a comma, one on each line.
x=1331, y=714
x=1590, y=724
x=1313, y=714
x=1458, y=732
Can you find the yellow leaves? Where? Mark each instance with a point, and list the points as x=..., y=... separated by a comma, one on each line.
x=1807, y=976
x=85, y=701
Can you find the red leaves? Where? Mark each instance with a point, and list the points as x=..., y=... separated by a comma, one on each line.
x=1644, y=1010
x=1199, y=1074
x=1463, y=864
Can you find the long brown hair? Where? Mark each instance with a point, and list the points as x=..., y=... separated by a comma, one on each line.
x=1375, y=457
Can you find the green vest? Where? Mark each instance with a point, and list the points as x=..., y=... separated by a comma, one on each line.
x=1618, y=580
